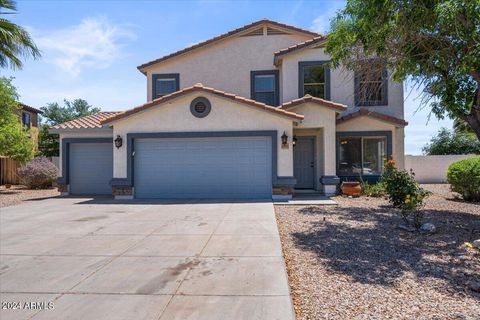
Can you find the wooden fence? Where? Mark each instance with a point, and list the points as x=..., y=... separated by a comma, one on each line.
x=8, y=171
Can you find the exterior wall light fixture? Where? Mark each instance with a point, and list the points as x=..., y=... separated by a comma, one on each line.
x=118, y=141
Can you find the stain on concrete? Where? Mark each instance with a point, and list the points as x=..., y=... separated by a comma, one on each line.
x=206, y=273
x=91, y=218
x=168, y=275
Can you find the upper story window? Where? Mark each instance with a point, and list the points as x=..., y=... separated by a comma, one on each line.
x=265, y=87
x=314, y=79
x=371, y=84
x=164, y=84
x=26, y=119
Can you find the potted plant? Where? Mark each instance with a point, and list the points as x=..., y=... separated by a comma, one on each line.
x=8, y=185
x=351, y=188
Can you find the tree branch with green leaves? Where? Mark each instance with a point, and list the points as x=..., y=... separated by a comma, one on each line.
x=435, y=43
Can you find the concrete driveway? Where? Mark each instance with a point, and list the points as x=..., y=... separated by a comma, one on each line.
x=101, y=259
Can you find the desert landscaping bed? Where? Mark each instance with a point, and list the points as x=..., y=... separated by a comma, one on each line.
x=351, y=261
x=17, y=194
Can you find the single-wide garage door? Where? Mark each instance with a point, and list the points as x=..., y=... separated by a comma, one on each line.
x=203, y=168
x=91, y=168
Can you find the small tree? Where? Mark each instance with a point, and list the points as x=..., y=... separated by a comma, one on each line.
x=434, y=43
x=53, y=114
x=405, y=193
x=14, y=137
x=48, y=145
x=447, y=142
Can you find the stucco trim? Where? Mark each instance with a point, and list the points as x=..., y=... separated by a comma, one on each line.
x=302, y=64
x=273, y=134
x=342, y=134
x=317, y=41
x=64, y=179
x=374, y=115
x=200, y=88
x=318, y=101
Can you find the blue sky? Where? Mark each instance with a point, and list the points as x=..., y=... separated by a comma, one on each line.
x=91, y=48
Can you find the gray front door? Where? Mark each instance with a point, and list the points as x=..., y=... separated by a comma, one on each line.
x=304, y=162
x=90, y=168
x=203, y=168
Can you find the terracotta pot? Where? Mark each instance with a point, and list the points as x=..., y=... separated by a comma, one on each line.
x=8, y=186
x=351, y=188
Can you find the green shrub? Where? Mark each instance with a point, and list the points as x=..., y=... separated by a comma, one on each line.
x=375, y=190
x=464, y=178
x=404, y=192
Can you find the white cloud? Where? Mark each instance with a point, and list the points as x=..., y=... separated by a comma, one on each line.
x=95, y=43
x=321, y=24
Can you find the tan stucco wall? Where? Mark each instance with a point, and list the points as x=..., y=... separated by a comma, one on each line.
x=317, y=117
x=225, y=115
x=81, y=134
x=226, y=65
x=369, y=124
x=341, y=83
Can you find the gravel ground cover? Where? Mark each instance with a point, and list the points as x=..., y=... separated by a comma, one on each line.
x=351, y=261
x=18, y=194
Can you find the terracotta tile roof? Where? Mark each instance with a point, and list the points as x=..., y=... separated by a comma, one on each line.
x=301, y=45
x=372, y=114
x=31, y=109
x=227, y=35
x=309, y=98
x=89, y=122
x=200, y=87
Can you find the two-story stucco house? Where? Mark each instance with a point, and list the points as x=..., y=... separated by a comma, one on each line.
x=252, y=113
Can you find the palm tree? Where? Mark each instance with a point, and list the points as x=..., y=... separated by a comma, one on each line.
x=14, y=40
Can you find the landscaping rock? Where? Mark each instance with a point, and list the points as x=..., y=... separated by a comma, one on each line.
x=474, y=286
x=428, y=227
x=476, y=243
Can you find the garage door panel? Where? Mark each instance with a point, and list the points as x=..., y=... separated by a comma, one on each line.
x=203, y=168
x=90, y=168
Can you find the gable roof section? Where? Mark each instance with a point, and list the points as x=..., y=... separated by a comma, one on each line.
x=308, y=98
x=31, y=109
x=374, y=115
x=200, y=88
x=92, y=121
x=306, y=44
x=226, y=36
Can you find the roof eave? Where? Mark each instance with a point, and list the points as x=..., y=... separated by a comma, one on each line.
x=230, y=34
x=198, y=87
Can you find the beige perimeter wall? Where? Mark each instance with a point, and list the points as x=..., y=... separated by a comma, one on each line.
x=432, y=169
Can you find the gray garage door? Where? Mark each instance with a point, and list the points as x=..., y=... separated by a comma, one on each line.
x=203, y=168
x=91, y=168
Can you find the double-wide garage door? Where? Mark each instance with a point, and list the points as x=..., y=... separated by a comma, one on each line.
x=200, y=168
x=91, y=168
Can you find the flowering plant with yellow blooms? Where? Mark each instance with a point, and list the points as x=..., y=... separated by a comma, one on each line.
x=404, y=192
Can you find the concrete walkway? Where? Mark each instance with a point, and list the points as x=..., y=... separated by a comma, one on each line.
x=101, y=259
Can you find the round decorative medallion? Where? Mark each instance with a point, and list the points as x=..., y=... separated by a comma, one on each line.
x=200, y=107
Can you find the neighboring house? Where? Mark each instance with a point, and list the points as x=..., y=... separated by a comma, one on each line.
x=29, y=117
x=8, y=167
x=252, y=113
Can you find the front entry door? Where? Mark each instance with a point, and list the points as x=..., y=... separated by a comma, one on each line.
x=303, y=162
